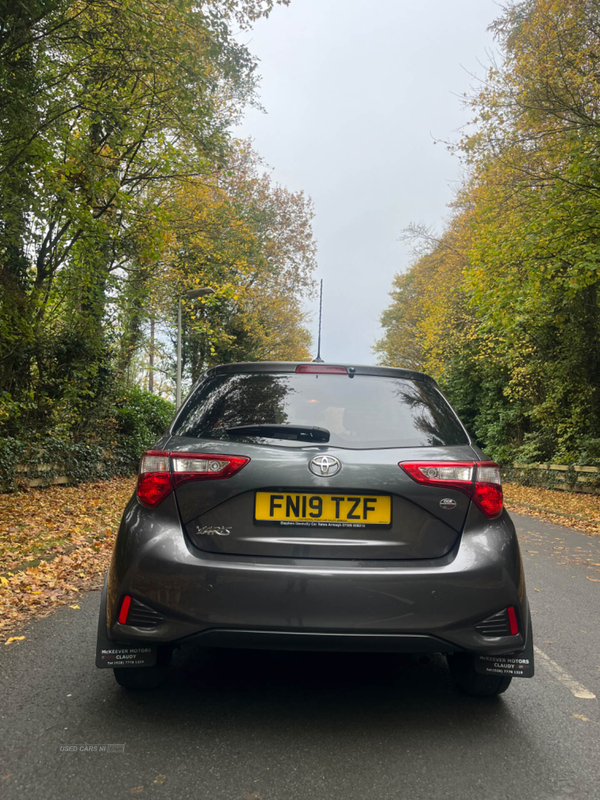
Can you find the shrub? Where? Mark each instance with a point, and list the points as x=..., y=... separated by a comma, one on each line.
x=141, y=418
x=137, y=420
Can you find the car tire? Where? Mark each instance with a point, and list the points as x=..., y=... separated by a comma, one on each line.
x=143, y=678
x=471, y=682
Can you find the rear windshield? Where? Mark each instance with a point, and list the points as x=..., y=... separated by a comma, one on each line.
x=361, y=412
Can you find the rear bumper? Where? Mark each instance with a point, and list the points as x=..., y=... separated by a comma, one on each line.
x=323, y=642
x=420, y=606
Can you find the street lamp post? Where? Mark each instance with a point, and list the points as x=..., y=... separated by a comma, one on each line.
x=191, y=295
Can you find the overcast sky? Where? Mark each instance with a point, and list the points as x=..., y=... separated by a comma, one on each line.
x=356, y=91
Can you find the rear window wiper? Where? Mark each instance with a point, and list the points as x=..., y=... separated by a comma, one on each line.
x=302, y=433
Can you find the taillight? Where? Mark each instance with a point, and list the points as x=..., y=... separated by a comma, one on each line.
x=480, y=480
x=161, y=472
x=192, y=467
x=488, y=489
x=154, y=481
x=450, y=475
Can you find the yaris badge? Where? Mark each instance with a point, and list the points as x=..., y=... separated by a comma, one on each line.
x=324, y=466
x=207, y=530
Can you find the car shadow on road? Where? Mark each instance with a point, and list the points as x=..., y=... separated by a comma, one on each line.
x=271, y=691
x=326, y=725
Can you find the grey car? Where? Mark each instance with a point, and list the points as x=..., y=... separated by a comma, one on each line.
x=317, y=506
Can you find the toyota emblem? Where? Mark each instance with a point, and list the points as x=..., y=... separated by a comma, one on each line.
x=324, y=466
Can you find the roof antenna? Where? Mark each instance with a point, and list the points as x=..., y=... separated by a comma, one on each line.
x=318, y=359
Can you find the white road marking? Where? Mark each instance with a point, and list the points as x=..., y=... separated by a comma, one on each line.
x=574, y=686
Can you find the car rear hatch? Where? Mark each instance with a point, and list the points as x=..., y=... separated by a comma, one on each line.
x=299, y=496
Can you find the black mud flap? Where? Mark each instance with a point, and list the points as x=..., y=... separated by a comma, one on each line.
x=518, y=665
x=111, y=654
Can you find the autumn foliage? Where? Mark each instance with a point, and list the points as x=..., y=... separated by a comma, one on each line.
x=503, y=307
x=122, y=187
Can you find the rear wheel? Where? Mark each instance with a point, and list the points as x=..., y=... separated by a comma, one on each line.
x=469, y=681
x=145, y=677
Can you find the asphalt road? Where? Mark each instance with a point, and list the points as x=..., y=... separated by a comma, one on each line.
x=238, y=725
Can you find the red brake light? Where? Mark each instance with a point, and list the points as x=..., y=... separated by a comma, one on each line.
x=512, y=621
x=154, y=481
x=161, y=472
x=488, y=498
x=480, y=480
x=488, y=489
x=124, y=610
x=322, y=369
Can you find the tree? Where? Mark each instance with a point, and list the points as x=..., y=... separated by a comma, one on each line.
x=527, y=372
x=252, y=242
x=106, y=106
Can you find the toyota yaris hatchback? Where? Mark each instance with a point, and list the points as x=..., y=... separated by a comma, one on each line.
x=317, y=507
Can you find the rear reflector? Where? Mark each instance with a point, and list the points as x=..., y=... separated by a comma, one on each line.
x=512, y=619
x=480, y=480
x=124, y=610
x=161, y=472
x=322, y=369
x=499, y=624
x=142, y=616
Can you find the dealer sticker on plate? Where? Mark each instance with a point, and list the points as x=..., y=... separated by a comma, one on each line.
x=116, y=655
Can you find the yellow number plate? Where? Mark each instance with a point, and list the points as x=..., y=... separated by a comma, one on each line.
x=341, y=509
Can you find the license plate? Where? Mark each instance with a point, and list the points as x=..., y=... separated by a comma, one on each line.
x=335, y=510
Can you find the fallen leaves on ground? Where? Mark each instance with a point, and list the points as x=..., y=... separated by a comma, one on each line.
x=54, y=544
x=38, y=522
x=573, y=509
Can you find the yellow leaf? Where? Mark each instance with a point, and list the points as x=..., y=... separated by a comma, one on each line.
x=75, y=607
x=12, y=639
x=4, y=581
